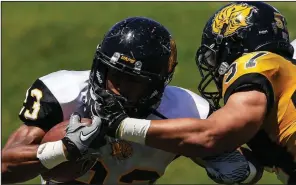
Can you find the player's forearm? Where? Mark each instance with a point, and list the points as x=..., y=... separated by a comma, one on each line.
x=23, y=157
x=187, y=136
x=190, y=137
x=20, y=164
x=179, y=136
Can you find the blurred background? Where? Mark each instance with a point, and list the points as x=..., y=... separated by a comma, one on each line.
x=42, y=37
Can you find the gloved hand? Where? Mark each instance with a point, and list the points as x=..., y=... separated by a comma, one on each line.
x=109, y=108
x=79, y=136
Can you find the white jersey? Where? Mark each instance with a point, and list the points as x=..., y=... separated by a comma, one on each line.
x=294, y=45
x=64, y=92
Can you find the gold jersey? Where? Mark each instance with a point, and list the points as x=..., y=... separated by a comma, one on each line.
x=275, y=144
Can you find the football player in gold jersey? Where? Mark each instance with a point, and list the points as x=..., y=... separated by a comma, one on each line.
x=248, y=44
x=246, y=52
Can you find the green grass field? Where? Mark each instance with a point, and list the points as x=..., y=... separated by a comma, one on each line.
x=42, y=37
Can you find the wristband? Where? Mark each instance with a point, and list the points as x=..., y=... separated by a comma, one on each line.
x=51, y=154
x=133, y=130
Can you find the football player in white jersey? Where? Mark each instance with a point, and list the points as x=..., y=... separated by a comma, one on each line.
x=135, y=61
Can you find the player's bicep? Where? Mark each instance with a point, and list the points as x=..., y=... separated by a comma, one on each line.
x=252, y=82
x=248, y=107
x=40, y=107
x=241, y=117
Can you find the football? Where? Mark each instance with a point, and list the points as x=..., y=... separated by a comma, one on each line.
x=66, y=171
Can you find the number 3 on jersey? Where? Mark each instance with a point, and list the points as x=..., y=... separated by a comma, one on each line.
x=32, y=112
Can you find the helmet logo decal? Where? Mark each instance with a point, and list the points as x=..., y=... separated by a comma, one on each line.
x=173, y=56
x=235, y=16
x=127, y=59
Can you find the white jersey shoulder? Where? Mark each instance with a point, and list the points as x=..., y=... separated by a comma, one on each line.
x=294, y=45
x=178, y=102
x=69, y=88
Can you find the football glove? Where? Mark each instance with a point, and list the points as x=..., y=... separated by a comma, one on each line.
x=79, y=136
x=109, y=108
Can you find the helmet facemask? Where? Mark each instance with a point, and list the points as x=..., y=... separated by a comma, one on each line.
x=213, y=61
x=206, y=61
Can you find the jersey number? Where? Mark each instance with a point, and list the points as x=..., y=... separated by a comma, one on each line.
x=99, y=173
x=252, y=62
x=33, y=113
x=231, y=72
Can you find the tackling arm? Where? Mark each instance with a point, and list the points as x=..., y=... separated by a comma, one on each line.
x=225, y=130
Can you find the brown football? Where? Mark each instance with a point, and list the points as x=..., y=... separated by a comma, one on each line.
x=66, y=171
